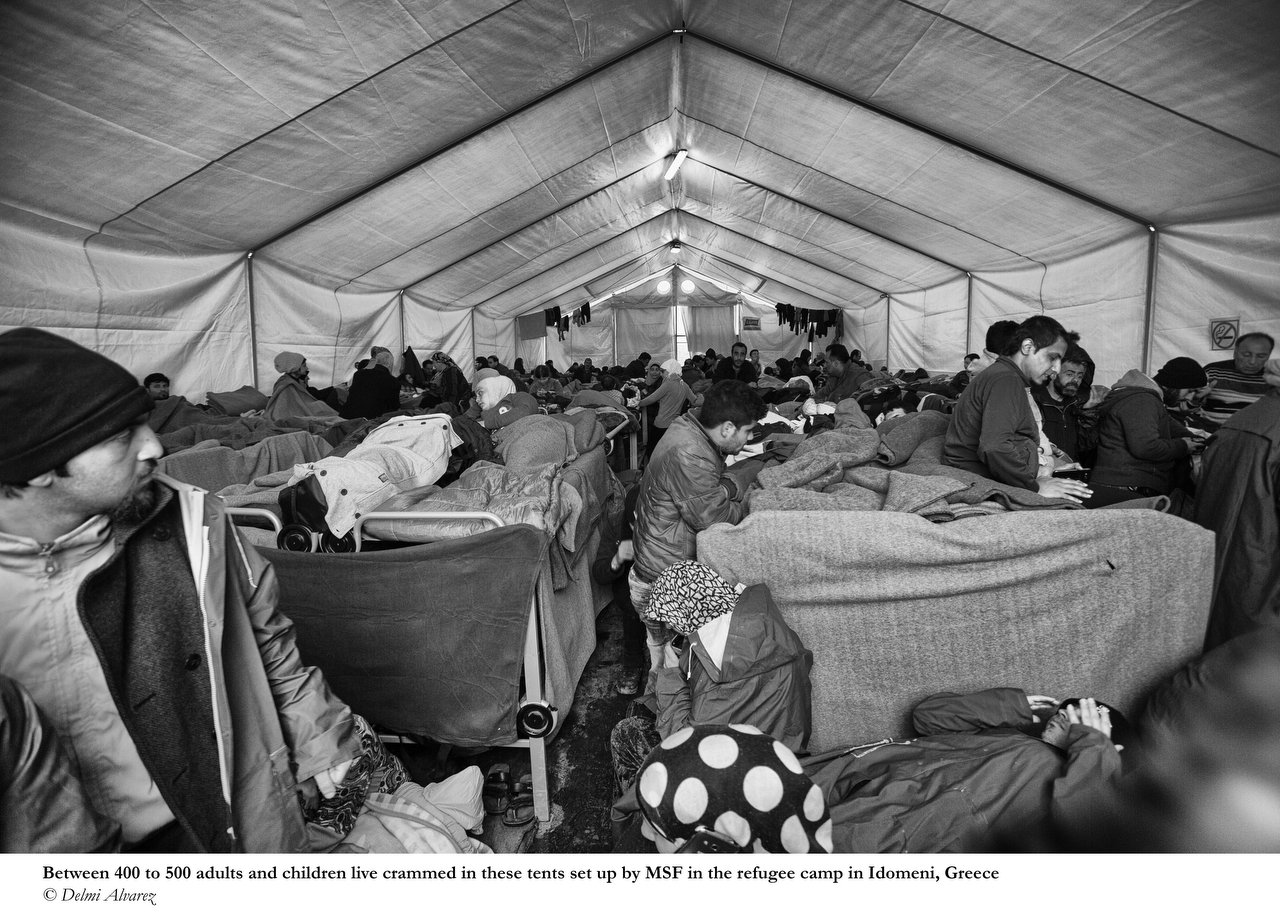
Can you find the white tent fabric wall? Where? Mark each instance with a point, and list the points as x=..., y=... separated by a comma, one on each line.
x=150, y=310
x=490, y=159
x=332, y=328
x=427, y=329
x=1219, y=270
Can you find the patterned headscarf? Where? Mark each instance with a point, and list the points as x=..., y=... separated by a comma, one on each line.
x=737, y=781
x=688, y=595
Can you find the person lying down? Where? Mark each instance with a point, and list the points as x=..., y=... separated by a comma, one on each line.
x=988, y=763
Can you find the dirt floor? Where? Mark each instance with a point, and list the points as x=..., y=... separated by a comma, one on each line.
x=580, y=773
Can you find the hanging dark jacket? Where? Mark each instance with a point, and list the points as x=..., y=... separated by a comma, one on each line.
x=762, y=678
x=374, y=392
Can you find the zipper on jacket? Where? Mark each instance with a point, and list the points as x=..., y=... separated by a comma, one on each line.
x=50, y=563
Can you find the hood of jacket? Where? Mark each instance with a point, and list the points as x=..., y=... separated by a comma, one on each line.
x=1133, y=384
x=751, y=640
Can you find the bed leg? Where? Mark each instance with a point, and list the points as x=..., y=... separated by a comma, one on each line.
x=541, y=790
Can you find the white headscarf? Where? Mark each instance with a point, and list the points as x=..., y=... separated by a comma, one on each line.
x=492, y=390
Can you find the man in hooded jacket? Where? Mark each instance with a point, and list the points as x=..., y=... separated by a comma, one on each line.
x=1140, y=445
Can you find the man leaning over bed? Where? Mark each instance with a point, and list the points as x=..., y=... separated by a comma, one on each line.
x=684, y=490
x=144, y=628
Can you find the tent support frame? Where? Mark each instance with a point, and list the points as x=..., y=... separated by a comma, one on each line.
x=1148, y=313
x=253, y=320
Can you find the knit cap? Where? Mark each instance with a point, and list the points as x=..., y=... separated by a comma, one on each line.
x=737, y=781
x=289, y=362
x=1181, y=373
x=58, y=399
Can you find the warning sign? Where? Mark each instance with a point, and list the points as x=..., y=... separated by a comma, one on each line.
x=1223, y=332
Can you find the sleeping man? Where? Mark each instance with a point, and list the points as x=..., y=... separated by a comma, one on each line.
x=981, y=766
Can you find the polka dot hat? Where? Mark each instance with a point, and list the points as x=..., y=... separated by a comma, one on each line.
x=737, y=781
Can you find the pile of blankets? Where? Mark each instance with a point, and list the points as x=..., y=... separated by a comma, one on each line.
x=896, y=467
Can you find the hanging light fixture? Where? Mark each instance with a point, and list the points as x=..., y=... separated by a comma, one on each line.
x=675, y=165
x=688, y=286
x=675, y=247
x=664, y=286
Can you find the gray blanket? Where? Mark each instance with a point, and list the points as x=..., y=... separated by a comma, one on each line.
x=1102, y=603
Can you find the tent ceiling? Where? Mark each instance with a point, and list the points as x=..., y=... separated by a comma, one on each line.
x=505, y=156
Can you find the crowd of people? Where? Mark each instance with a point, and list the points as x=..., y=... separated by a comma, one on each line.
x=202, y=729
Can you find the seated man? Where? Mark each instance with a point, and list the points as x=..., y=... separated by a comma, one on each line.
x=736, y=366
x=974, y=771
x=1237, y=383
x=146, y=629
x=845, y=377
x=684, y=489
x=157, y=385
x=993, y=429
x=1061, y=402
x=290, y=396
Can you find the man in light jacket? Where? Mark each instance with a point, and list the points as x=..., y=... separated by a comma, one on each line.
x=143, y=626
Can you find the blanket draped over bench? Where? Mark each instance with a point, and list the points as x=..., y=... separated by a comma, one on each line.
x=1101, y=603
x=428, y=639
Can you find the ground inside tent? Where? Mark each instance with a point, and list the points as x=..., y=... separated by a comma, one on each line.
x=580, y=772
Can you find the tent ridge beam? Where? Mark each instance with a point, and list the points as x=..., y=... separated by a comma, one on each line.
x=931, y=132
x=1091, y=78
x=680, y=213
x=471, y=135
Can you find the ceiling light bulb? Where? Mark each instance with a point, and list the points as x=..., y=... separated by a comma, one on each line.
x=687, y=286
x=664, y=286
x=675, y=165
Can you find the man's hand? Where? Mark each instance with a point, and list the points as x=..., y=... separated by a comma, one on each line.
x=1036, y=701
x=626, y=552
x=1091, y=715
x=670, y=656
x=1066, y=489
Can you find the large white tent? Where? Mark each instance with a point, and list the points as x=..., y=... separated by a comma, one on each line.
x=195, y=185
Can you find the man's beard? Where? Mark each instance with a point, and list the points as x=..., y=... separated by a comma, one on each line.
x=138, y=506
x=1067, y=392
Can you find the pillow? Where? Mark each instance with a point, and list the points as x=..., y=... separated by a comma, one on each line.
x=236, y=402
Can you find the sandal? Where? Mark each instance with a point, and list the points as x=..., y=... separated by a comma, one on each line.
x=520, y=808
x=497, y=788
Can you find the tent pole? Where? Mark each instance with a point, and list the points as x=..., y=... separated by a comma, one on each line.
x=253, y=321
x=968, y=316
x=888, y=328
x=474, y=353
x=1148, y=317
x=403, y=345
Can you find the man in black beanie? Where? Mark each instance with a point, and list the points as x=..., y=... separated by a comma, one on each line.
x=144, y=628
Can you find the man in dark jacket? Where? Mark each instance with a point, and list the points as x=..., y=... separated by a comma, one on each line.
x=1060, y=404
x=684, y=489
x=977, y=769
x=736, y=366
x=1140, y=445
x=993, y=429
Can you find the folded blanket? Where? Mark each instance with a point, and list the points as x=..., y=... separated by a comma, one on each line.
x=869, y=488
x=212, y=466
x=899, y=437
